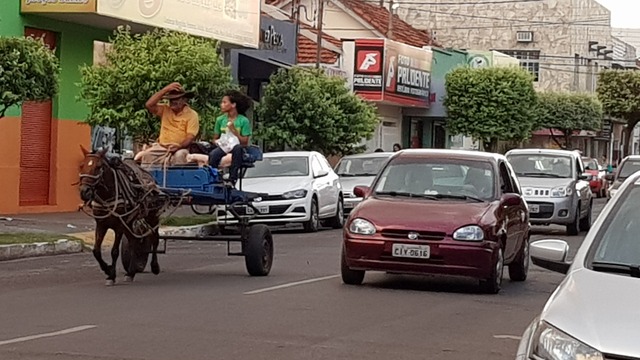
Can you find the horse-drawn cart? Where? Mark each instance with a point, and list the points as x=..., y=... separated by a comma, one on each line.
x=204, y=186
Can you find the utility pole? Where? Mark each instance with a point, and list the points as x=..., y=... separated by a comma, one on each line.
x=295, y=15
x=319, y=18
x=390, y=25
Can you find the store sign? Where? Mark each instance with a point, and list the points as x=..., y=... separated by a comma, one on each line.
x=368, y=66
x=392, y=71
x=57, y=6
x=232, y=21
x=407, y=74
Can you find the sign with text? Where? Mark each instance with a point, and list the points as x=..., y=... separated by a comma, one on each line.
x=231, y=21
x=407, y=74
x=393, y=72
x=57, y=6
x=368, y=68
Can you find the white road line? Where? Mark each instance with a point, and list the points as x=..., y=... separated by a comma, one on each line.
x=52, y=334
x=283, y=286
x=510, y=337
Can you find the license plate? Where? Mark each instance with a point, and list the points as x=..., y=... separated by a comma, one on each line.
x=348, y=205
x=411, y=251
x=534, y=209
x=264, y=209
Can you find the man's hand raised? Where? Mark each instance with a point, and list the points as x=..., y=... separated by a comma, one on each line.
x=173, y=86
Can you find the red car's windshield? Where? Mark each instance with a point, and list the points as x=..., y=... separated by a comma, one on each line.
x=418, y=176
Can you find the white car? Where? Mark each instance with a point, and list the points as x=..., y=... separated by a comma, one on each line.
x=593, y=313
x=358, y=170
x=302, y=188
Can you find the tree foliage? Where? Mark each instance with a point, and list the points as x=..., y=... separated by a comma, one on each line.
x=619, y=92
x=138, y=65
x=490, y=104
x=308, y=110
x=28, y=72
x=568, y=112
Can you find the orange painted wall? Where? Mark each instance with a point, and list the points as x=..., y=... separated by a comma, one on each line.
x=67, y=137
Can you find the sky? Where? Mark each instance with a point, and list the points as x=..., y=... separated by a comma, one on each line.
x=624, y=13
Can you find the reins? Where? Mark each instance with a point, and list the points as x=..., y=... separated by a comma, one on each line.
x=125, y=195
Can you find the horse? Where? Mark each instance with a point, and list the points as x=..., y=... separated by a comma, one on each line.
x=125, y=199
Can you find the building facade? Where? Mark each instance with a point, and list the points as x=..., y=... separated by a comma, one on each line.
x=557, y=40
x=40, y=142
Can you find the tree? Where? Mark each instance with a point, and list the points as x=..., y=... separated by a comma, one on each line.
x=28, y=72
x=490, y=104
x=308, y=110
x=619, y=92
x=141, y=64
x=567, y=113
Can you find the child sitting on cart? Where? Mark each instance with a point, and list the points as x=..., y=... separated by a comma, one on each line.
x=231, y=134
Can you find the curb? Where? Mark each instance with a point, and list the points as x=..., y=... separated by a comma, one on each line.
x=20, y=251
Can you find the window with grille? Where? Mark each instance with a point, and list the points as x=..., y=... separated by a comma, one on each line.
x=529, y=59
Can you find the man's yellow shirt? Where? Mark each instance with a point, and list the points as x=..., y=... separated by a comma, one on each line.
x=175, y=128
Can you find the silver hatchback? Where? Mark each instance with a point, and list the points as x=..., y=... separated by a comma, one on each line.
x=593, y=314
x=554, y=186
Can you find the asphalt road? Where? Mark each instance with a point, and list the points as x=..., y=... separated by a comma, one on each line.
x=204, y=306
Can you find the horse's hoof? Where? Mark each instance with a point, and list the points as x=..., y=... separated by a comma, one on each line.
x=110, y=282
x=128, y=279
x=155, y=269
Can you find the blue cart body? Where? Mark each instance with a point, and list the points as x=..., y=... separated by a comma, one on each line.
x=204, y=184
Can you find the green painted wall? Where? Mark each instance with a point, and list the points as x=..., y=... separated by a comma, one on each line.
x=75, y=48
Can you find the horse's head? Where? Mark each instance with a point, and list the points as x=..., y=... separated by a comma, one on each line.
x=91, y=170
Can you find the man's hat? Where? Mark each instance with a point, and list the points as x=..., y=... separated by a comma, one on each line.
x=177, y=94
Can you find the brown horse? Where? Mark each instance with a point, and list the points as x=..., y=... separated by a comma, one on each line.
x=125, y=199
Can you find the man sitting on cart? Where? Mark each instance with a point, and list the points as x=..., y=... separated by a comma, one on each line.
x=231, y=132
x=179, y=127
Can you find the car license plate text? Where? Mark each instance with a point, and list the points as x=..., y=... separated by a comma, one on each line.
x=264, y=209
x=534, y=209
x=411, y=251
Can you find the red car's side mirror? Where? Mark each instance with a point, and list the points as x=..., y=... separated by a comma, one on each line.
x=361, y=191
x=510, y=200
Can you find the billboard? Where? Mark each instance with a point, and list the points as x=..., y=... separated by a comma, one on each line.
x=390, y=71
x=57, y=6
x=232, y=21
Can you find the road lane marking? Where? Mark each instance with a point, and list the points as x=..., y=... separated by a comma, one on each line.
x=510, y=337
x=52, y=334
x=283, y=286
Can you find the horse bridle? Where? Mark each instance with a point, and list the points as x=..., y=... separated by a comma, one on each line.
x=97, y=178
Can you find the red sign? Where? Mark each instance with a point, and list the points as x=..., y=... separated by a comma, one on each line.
x=369, y=61
x=367, y=72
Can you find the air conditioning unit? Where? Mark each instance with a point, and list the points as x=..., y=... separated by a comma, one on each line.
x=524, y=36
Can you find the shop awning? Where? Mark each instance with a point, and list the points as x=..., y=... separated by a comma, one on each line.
x=253, y=66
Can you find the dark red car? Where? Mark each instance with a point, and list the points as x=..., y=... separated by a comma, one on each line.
x=440, y=212
x=597, y=177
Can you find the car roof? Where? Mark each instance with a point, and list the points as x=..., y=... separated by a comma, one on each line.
x=631, y=157
x=289, y=153
x=369, y=155
x=450, y=153
x=545, y=152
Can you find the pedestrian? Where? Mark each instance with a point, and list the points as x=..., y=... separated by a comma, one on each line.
x=231, y=132
x=379, y=150
x=179, y=125
x=397, y=147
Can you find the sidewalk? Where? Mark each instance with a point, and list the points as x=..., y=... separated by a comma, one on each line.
x=74, y=224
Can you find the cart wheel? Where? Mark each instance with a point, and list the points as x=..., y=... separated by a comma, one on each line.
x=258, y=250
x=126, y=256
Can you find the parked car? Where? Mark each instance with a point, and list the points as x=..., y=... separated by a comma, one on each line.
x=627, y=167
x=358, y=170
x=596, y=177
x=593, y=313
x=439, y=212
x=302, y=188
x=554, y=186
